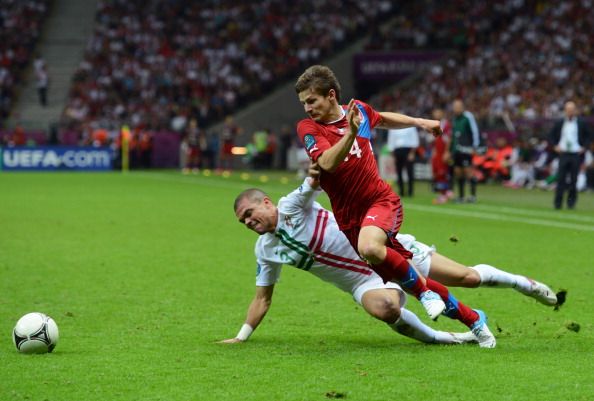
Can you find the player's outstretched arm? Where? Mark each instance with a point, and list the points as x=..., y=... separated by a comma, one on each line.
x=256, y=312
x=397, y=120
x=302, y=198
x=331, y=158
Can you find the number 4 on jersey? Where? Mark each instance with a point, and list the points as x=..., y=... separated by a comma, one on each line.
x=355, y=150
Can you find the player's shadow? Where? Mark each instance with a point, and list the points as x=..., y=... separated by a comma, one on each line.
x=338, y=344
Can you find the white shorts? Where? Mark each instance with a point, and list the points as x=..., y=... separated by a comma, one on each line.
x=421, y=252
x=376, y=283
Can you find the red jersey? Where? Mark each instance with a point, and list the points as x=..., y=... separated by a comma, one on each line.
x=440, y=145
x=356, y=184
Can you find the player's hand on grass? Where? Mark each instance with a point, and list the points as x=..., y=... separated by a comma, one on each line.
x=230, y=341
x=353, y=116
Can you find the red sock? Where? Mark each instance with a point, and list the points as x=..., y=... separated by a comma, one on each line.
x=396, y=267
x=454, y=308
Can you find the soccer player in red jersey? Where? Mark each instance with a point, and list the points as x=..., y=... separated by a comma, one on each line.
x=337, y=139
x=439, y=159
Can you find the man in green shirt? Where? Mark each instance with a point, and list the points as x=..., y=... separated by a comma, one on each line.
x=464, y=144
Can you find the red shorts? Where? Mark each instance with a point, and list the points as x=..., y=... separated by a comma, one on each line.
x=387, y=215
x=227, y=146
x=440, y=170
x=194, y=151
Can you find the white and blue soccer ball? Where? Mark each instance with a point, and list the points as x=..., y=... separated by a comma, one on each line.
x=35, y=333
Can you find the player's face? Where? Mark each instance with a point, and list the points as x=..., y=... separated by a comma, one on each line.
x=257, y=216
x=570, y=110
x=458, y=107
x=318, y=107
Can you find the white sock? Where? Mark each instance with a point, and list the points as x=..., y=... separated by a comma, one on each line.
x=443, y=337
x=410, y=325
x=493, y=277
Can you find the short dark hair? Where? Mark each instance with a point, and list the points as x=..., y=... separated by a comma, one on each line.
x=253, y=194
x=320, y=79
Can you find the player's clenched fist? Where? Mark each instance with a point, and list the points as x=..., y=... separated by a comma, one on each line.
x=431, y=126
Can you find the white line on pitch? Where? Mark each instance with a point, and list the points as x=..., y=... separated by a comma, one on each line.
x=543, y=213
x=499, y=217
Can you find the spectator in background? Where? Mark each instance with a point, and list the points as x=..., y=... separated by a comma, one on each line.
x=192, y=148
x=184, y=151
x=229, y=132
x=270, y=149
x=257, y=149
x=99, y=137
x=284, y=144
x=570, y=138
x=210, y=151
x=464, y=144
x=18, y=137
x=521, y=166
x=145, y=148
x=494, y=164
x=403, y=143
x=589, y=166
x=42, y=78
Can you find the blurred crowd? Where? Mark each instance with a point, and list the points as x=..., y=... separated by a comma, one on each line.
x=20, y=25
x=158, y=64
x=521, y=59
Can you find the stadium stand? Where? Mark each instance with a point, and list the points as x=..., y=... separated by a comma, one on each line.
x=523, y=58
x=153, y=63
x=20, y=28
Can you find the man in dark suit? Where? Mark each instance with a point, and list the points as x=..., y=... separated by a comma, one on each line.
x=570, y=138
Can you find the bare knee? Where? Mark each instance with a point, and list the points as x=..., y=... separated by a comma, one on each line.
x=386, y=310
x=372, y=251
x=471, y=279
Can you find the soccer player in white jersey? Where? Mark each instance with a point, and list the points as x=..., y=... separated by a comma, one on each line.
x=342, y=267
x=301, y=233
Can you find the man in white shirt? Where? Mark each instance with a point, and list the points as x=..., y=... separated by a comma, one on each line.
x=403, y=143
x=42, y=79
x=299, y=232
x=570, y=137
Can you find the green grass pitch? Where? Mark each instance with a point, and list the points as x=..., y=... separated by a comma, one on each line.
x=144, y=272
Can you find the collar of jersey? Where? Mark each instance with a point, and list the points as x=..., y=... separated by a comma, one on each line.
x=341, y=117
x=278, y=225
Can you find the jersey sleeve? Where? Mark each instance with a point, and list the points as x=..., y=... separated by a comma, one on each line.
x=267, y=273
x=300, y=199
x=314, y=142
x=374, y=116
x=476, y=136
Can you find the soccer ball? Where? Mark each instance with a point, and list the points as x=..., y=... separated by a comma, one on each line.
x=35, y=333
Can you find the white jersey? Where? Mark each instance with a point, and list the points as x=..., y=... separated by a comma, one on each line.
x=307, y=237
